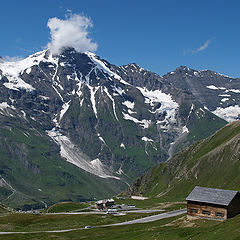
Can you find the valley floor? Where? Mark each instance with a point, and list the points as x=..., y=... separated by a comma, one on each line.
x=138, y=224
x=71, y=221
x=135, y=221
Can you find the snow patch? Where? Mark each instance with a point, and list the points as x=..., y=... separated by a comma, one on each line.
x=229, y=114
x=4, y=108
x=28, y=70
x=81, y=102
x=128, y=104
x=191, y=110
x=224, y=95
x=113, y=102
x=196, y=74
x=224, y=99
x=212, y=87
x=101, y=139
x=234, y=90
x=131, y=112
x=44, y=97
x=58, y=93
x=24, y=114
x=79, y=84
x=122, y=145
x=33, y=118
x=119, y=90
x=168, y=105
x=93, y=90
x=222, y=88
x=5, y=105
x=64, y=109
x=12, y=70
x=145, y=139
x=185, y=129
x=101, y=65
x=143, y=123
x=120, y=171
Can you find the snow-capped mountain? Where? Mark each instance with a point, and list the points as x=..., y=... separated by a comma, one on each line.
x=217, y=92
x=111, y=122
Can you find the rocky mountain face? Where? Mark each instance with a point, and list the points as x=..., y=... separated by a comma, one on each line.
x=108, y=123
x=219, y=93
x=213, y=162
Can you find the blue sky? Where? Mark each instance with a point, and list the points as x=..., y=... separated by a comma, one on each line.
x=158, y=35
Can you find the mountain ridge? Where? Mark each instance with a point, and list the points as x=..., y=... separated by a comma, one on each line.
x=109, y=121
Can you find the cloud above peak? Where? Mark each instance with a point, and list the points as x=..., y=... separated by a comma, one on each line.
x=73, y=31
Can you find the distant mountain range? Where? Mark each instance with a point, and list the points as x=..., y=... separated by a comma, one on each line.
x=75, y=127
x=219, y=93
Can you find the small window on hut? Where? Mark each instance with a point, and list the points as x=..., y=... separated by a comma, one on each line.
x=206, y=212
x=219, y=214
x=193, y=210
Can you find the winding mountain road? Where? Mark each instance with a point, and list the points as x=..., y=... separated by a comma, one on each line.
x=152, y=218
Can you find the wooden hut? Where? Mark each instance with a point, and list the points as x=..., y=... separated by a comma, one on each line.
x=213, y=203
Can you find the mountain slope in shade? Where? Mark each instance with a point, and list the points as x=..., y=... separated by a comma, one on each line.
x=111, y=123
x=213, y=162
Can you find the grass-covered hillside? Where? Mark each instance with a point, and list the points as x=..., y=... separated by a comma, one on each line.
x=33, y=174
x=213, y=162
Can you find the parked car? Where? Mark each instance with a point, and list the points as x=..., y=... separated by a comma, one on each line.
x=87, y=227
x=112, y=211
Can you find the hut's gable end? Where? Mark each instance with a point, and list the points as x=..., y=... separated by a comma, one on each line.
x=234, y=206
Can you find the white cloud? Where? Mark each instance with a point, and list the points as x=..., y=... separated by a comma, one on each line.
x=203, y=47
x=70, y=32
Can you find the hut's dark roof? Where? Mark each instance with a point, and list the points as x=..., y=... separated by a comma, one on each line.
x=211, y=195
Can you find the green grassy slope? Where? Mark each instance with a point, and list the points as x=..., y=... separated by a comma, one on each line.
x=31, y=165
x=213, y=162
x=67, y=206
x=175, y=228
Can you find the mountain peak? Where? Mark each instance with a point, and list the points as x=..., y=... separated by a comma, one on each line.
x=183, y=68
x=133, y=67
x=93, y=114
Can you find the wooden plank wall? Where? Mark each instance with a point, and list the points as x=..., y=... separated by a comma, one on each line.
x=205, y=207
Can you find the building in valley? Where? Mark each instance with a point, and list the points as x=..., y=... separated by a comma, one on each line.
x=102, y=204
x=213, y=203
